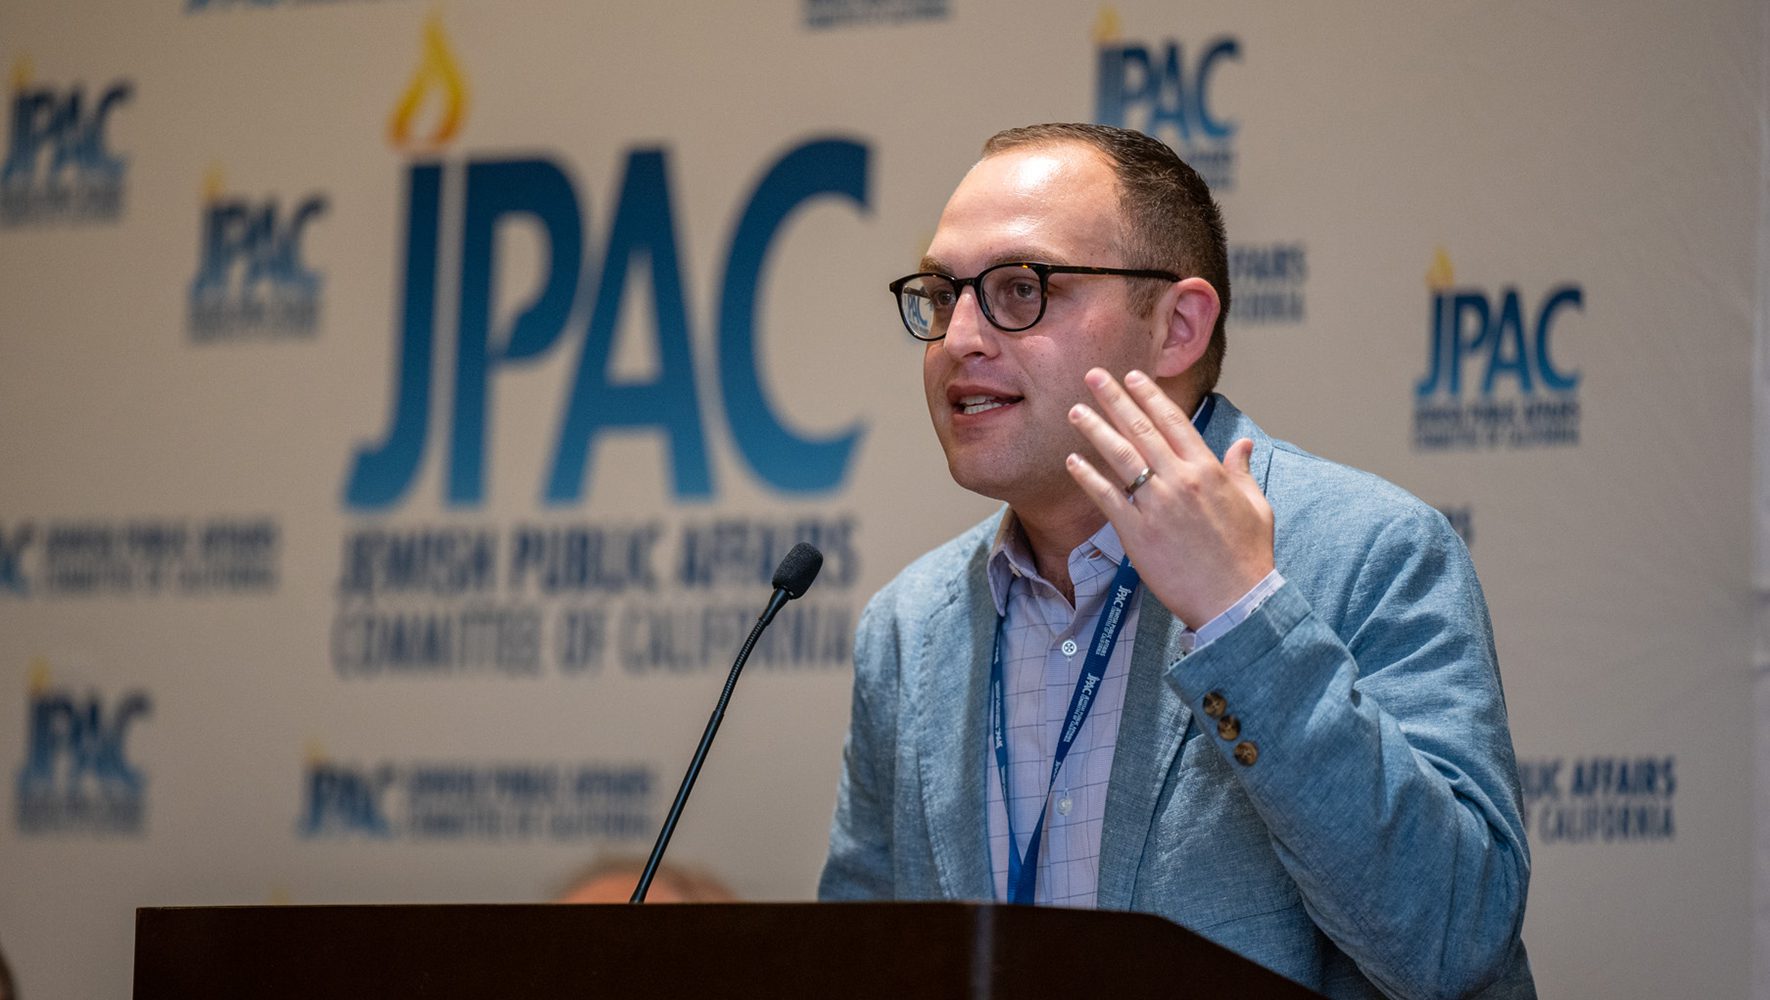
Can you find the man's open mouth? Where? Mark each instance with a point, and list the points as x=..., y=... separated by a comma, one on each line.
x=969, y=405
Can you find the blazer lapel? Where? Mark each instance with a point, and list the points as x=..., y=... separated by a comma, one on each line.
x=1229, y=425
x=954, y=671
x=1155, y=719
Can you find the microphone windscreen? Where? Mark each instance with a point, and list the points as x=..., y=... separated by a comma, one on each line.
x=798, y=569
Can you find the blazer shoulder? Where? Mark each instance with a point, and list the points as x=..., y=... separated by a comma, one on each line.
x=897, y=628
x=938, y=573
x=1317, y=493
x=1305, y=487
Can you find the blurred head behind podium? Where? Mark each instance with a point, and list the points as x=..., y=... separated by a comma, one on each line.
x=611, y=880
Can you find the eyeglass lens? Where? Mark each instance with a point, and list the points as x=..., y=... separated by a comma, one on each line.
x=1011, y=295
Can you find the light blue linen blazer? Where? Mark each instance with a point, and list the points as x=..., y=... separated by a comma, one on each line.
x=1373, y=847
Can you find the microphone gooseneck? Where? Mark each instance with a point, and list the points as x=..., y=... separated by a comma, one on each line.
x=792, y=578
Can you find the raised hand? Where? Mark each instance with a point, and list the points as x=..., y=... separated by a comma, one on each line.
x=1198, y=530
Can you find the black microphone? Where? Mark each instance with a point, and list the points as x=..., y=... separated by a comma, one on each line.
x=792, y=578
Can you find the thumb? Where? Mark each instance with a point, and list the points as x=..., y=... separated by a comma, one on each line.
x=1236, y=460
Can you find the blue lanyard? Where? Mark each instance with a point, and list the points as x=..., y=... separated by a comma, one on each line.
x=1023, y=874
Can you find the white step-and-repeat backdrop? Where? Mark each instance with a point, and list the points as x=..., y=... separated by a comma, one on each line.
x=403, y=405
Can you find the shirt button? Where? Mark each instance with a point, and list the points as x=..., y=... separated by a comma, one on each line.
x=1069, y=647
x=1214, y=705
x=1246, y=753
x=1064, y=805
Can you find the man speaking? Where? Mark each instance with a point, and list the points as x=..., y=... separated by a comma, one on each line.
x=1189, y=669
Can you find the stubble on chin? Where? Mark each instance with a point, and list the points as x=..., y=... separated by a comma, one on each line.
x=1014, y=479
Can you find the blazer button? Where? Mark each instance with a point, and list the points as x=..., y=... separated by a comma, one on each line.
x=1246, y=753
x=1214, y=705
x=1229, y=727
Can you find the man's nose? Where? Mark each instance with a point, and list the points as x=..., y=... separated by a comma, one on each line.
x=968, y=331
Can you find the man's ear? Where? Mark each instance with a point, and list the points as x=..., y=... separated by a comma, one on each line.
x=1188, y=312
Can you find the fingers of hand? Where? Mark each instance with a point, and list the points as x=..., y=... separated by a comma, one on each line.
x=1171, y=422
x=1130, y=417
x=1106, y=494
x=1121, y=455
x=1237, y=460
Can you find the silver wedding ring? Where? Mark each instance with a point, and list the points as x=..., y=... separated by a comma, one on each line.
x=1136, y=484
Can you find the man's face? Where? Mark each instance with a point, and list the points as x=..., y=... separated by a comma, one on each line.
x=1000, y=401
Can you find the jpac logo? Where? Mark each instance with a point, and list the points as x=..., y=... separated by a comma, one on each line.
x=58, y=166
x=77, y=777
x=1493, y=378
x=1164, y=90
x=487, y=193
x=341, y=799
x=464, y=800
x=251, y=280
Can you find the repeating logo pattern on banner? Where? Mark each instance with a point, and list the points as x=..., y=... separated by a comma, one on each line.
x=252, y=280
x=77, y=776
x=140, y=557
x=508, y=801
x=1268, y=283
x=1596, y=800
x=1163, y=89
x=59, y=166
x=1493, y=376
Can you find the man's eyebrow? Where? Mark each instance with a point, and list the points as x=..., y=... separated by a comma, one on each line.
x=1010, y=255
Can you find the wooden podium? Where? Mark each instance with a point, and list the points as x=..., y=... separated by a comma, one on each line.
x=739, y=950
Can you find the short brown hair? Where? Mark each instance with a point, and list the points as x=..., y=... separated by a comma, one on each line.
x=1170, y=219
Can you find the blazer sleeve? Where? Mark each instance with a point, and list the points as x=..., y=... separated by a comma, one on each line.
x=1376, y=751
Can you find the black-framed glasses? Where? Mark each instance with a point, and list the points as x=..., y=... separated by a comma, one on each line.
x=1012, y=295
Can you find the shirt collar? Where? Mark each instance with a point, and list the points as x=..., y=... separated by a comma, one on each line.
x=1010, y=556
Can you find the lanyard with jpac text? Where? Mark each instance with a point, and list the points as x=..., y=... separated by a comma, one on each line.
x=1023, y=874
